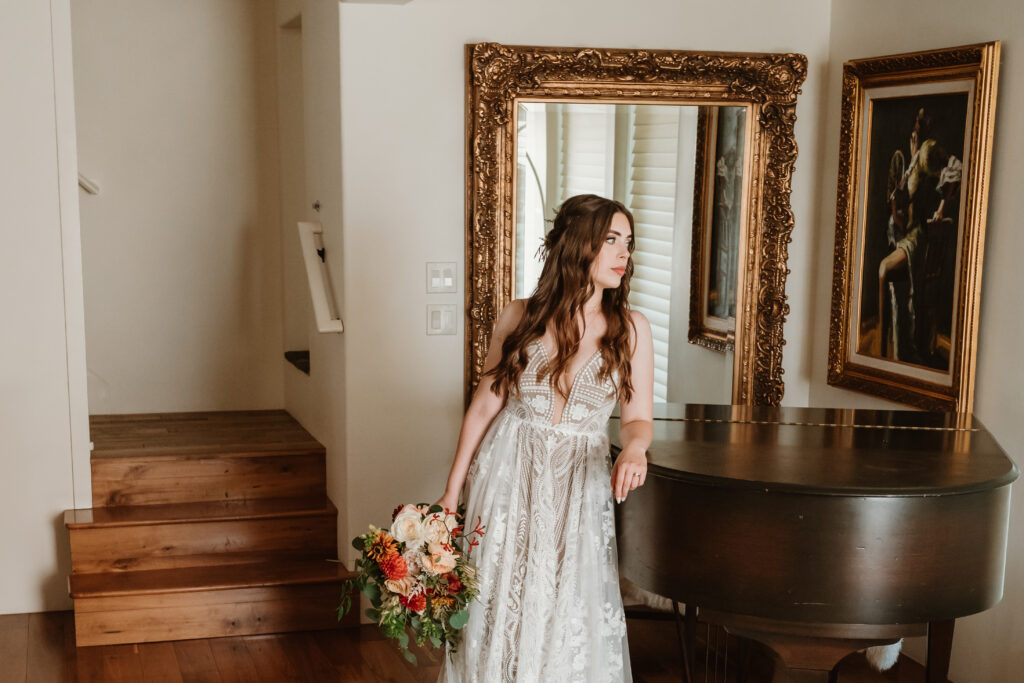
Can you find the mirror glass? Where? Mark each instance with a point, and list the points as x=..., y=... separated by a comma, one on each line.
x=679, y=170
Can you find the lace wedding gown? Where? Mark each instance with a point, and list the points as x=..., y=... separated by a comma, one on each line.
x=549, y=608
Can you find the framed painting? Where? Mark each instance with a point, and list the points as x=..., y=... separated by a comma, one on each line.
x=914, y=158
x=717, y=217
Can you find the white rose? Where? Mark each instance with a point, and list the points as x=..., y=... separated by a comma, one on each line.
x=408, y=527
x=413, y=560
x=439, y=528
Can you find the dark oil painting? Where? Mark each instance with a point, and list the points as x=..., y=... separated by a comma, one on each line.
x=912, y=228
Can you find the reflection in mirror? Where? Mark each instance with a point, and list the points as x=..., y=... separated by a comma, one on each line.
x=644, y=156
x=717, y=217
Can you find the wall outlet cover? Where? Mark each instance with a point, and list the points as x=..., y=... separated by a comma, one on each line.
x=441, y=319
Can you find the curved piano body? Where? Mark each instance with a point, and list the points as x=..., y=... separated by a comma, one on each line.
x=819, y=532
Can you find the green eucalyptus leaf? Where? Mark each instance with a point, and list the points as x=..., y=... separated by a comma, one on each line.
x=458, y=619
x=436, y=642
x=346, y=604
x=410, y=657
x=435, y=508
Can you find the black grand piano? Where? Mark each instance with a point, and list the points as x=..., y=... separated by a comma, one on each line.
x=819, y=532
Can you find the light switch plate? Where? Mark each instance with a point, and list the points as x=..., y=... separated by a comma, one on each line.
x=441, y=319
x=441, y=277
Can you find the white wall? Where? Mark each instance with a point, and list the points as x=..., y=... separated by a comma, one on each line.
x=989, y=647
x=318, y=401
x=177, y=123
x=403, y=187
x=36, y=392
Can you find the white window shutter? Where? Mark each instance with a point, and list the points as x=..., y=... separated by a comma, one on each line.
x=651, y=196
x=588, y=150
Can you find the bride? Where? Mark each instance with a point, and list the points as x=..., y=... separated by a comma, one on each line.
x=533, y=454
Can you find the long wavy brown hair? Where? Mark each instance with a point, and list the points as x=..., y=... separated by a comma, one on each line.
x=565, y=284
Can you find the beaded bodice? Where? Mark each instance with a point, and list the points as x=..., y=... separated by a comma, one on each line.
x=588, y=406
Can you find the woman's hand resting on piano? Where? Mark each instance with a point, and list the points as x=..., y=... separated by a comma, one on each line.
x=629, y=472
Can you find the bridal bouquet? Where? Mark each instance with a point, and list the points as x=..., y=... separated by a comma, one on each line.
x=415, y=576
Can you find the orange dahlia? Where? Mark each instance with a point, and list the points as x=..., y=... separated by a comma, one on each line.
x=417, y=603
x=393, y=566
x=382, y=545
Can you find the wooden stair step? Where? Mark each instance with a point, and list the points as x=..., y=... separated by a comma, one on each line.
x=267, y=597
x=138, y=539
x=234, y=432
x=204, y=525
x=157, y=458
x=184, y=479
x=197, y=579
x=170, y=513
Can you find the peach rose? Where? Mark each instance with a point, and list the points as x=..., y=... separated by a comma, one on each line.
x=402, y=586
x=438, y=560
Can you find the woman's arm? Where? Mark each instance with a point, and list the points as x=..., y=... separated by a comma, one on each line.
x=637, y=424
x=482, y=409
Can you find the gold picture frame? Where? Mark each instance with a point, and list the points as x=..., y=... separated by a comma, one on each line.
x=914, y=158
x=498, y=76
x=717, y=219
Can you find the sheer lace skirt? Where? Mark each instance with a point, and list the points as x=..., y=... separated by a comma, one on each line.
x=549, y=607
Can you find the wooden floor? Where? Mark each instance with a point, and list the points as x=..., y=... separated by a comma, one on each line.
x=40, y=647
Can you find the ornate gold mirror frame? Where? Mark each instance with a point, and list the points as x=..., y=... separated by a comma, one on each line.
x=498, y=76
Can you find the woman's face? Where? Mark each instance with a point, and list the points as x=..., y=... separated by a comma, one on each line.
x=609, y=267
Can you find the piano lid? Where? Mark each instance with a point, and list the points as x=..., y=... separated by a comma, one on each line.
x=825, y=451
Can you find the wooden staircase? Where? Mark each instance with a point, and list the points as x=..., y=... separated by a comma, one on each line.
x=203, y=525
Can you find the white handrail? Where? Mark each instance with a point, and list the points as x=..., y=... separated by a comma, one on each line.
x=324, y=308
x=88, y=185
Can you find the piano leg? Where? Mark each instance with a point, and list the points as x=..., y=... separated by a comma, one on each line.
x=684, y=652
x=940, y=644
x=742, y=659
x=690, y=630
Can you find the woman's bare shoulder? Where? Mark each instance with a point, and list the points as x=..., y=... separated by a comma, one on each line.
x=510, y=316
x=516, y=305
x=640, y=322
x=640, y=330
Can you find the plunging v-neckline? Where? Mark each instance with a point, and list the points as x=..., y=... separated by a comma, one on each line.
x=572, y=384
